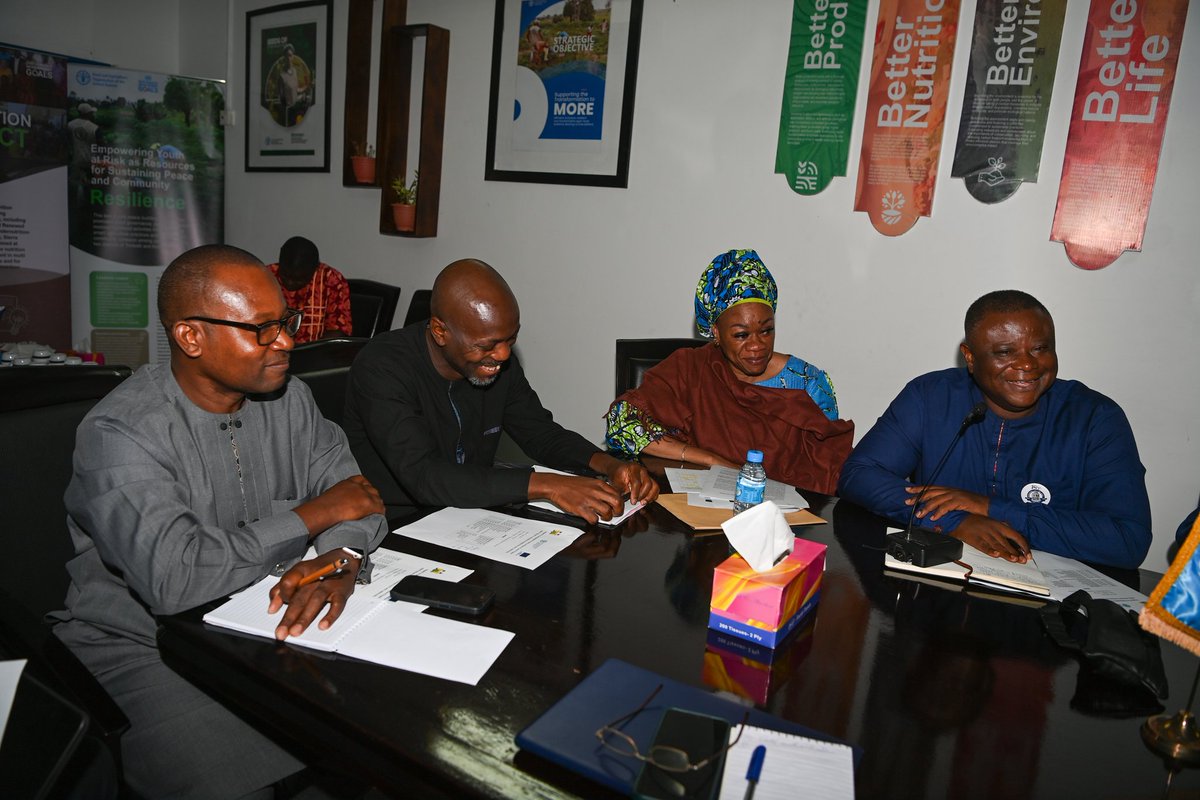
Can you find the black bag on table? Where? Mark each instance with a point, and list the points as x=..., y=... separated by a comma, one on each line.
x=1109, y=641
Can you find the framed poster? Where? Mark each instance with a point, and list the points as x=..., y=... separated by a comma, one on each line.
x=563, y=79
x=288, y=87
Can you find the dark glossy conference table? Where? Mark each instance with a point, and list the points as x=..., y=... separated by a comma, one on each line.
x=947, y=694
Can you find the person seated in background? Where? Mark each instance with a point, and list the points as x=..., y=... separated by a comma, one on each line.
x=709, y=405
x=1051, y=465
x=191, y=481
x=314, y=288
x=427, y=403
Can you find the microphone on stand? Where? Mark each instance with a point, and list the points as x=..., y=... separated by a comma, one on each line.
x=925, y=548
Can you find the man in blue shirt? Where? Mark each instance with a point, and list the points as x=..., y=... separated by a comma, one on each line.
x=1052, y=465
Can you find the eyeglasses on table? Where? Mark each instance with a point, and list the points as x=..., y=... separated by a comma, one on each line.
x=665, y=757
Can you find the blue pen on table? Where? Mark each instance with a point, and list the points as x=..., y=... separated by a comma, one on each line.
x=755, y=769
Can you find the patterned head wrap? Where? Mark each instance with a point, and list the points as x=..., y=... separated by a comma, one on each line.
x=738, y=276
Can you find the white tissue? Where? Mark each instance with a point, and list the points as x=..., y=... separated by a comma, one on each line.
x=760, y=534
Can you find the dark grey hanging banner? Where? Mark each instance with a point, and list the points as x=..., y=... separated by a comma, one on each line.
x=1014, y=54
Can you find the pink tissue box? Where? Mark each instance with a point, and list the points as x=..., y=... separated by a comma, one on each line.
x=764, y=607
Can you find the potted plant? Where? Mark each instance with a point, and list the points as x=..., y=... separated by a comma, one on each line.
x=404, y=210
x=363, y=162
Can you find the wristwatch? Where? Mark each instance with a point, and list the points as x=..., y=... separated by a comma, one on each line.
x=364, y=564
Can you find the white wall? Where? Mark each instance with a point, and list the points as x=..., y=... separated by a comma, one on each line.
x=591, y=265
x=134, y=34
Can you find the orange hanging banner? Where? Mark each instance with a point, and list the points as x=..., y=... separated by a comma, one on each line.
x=1126, y=77
x=906, y=111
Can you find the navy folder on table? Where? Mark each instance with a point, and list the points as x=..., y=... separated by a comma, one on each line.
x=566, y=732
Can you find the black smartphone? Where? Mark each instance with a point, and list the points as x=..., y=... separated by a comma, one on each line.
x=464, y=598
x=701, y=737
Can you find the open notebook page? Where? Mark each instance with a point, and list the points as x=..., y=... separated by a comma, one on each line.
x=795, y=766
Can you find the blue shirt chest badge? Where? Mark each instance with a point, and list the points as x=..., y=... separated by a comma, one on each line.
x=1035, y=493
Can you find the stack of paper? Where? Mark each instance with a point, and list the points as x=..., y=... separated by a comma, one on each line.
x=979, y=568
x=379, y=630
x=628, y=511
x=715, y=487
x=1045, y=576
x=526, y=543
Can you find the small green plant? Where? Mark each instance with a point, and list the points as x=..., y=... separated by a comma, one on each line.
x=405, y=195
x=363, y=150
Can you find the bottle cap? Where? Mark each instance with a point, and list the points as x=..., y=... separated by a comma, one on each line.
x=754, y=456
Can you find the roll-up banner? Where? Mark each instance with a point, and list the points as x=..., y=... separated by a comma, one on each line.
x=35, y=294
x=146, y=183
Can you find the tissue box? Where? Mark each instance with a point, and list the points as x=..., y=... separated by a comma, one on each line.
x=751, y=670
x=764, y=607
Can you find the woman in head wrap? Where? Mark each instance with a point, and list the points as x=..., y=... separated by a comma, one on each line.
x=709, y=405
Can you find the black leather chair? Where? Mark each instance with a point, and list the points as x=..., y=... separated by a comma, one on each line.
x=418, y=306
x=325, y=366
x=40, y=408
x=372, y=306
x=635, y=356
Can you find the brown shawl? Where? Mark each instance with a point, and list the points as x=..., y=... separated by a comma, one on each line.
x=694, y=393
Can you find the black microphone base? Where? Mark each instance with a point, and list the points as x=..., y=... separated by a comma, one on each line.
x=923, y=548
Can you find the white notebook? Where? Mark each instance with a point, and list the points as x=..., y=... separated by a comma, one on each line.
x=987, y=571
x=381, y=631
x=794, y=766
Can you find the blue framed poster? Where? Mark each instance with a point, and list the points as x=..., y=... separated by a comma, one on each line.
x=563, y=79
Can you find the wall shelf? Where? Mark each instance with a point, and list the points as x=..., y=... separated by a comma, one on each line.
x=392, y=104
x=396, y=84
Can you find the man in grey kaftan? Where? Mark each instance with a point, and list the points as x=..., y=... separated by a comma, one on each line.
x=184, y=490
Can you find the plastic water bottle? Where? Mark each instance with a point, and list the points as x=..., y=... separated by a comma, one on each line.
x=751, y=482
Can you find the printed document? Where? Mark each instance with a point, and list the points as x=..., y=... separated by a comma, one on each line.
x=392, y=565
x=10, y=676
x=526, y=543
x=1065, y=575
x=684, y=480
x=720, y=483
x=1045, y=573
x=628, y=511
x=385, y=632
x=984, y=570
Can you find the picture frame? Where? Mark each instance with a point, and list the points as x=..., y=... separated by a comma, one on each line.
x=562, y=92
x=288, y=87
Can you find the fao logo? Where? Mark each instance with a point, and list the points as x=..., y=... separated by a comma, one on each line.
x=83, y=77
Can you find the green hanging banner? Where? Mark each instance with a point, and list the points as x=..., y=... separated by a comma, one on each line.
x=819, y=92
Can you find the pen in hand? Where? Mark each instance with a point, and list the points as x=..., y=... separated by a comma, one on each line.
x=324, y=572
x=755, y=769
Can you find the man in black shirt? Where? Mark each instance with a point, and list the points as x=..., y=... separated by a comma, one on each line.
x=426, y=405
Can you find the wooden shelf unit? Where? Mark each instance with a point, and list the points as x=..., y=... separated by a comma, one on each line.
x=392, y=108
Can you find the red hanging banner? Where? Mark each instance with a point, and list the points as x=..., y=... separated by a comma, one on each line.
x=906, y=111
x=1126, y=77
